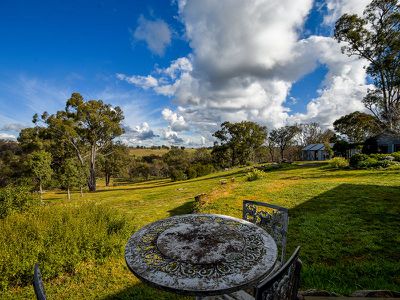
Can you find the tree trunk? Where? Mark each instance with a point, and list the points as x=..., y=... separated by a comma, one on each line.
x=69, y=194
x=108, y=177
x=92, y=171
x=282, y=150
x=41, y=191
x=81, y=191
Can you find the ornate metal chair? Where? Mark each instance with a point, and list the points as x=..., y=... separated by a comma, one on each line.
x=284, y=284
x=274, y=219
x=38, y=284
x=281, y=285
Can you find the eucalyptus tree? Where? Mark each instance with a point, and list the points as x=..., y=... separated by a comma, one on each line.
x=375, y=37
x=283, y=138
x=88, y=127
x=240, y=140
x=39, y=163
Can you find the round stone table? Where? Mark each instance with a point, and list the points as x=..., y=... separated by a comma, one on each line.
x=201, y=254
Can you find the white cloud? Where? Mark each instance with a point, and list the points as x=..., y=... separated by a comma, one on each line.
x=171, y=136
x=337, y=8
x=176, y=122
x=156, y=34
x=13, y=127
x=247, y=55
x=145, y=82
x=6, y=136
x=344, y=85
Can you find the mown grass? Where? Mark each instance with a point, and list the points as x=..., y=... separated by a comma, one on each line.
x=346, y=222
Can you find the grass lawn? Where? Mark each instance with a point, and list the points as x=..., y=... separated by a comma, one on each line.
x=347, y=223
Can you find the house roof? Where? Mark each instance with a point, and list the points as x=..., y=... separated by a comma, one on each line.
x=316, y=147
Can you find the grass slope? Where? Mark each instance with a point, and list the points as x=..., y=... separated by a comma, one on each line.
x=346, y=222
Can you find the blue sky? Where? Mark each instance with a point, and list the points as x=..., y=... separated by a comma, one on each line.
x=178, y=68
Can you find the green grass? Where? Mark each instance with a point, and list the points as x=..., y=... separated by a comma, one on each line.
x=345, y=220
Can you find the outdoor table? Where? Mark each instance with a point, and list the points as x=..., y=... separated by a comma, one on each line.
x=201, y=254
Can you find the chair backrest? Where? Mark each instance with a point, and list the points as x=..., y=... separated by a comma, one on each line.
x=38, y=284
x=284, y=284
x=274, y=219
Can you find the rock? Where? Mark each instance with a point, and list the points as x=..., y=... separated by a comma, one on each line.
x=223, y=181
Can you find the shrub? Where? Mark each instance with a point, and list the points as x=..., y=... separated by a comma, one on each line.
x=368, y=163
x=58, y=238
x=396, y=156
x=204, y=169
x=338, y=163
x=191, y=173
x=255, y=174
x=357, y=158
x=177, y=175
x=16, y=198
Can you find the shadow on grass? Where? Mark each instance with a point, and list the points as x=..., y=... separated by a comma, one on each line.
x=142, y=292
x=349, y=237
x=186, y=208
x=149, y=185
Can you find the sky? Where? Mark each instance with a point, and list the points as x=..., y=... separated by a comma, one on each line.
x=179, y=68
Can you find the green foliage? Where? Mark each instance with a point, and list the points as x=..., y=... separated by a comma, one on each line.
x=283, y=138
x=191, y=173
x=357, y=158
x=16, y=198
x=239, y=141
x=338, y=163
x=396, y=156
x=375, y=38
x=276, y=166
x=88, y=127
x=177, y=175
x=376, y=160
x=255, y=174
x=39, y=163
x=357, y=126
x=59, y=238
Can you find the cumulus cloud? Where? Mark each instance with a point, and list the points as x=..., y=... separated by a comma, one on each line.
x=171, y=136
x=145, y=82
x=246, y=56
x=156, y=34
x=336, y=8
x=138, y=134
x=13, y=127
x=6, y=136
x=176, y=122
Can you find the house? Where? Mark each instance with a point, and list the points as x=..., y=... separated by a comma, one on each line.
x=315, y=152
x=386, y=142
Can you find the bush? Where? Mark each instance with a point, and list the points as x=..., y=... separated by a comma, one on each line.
x=396, y=156
x=204, y=169
x=368, y=163
x=357, y=158
x=255, y=174
x=16, y=198
x=191, y=173
x=338, y=163
x=177, y=175
x=58, y=238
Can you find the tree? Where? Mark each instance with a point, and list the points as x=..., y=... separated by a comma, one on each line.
x=40, y=165
x=376, y=38
x=114, y=161
x=89, y=127
x=70, y=175
x=357, y=126
x=242, y=139
x=283, y=137
x=310, y=133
